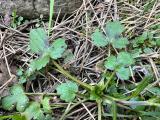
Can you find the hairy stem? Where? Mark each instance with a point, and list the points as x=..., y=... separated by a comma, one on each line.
x=73, y=78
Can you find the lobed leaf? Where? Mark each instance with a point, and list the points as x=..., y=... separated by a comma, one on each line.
x=125, y=59
x=67, y=91
x=38, y=40
x=17, y=98
x=46, y=105
x=99, y=39
x=111, y=63
x=120, y=43
x=114, y=29
x=34, y=112
x=57, y=48
x=123, y=73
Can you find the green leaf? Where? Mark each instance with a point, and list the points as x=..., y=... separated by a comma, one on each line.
x=17, y=98
x=136, y=52
x=142, y=38
x=123, y=73
x=68, y=56
x=99, y=39
x=120, y=43
x=155, y=90
x=22, y=79
x=57, y=48
x=125, y=59
x=19, y=72
x=46, y=105
x=114, y=29
x=34, y=112
x=111, y=63
x=67, y=91
x=38, y=40
x=158, y=42
x=148, y=50
x=39, y=63
x=141, y=86
x=8, y=102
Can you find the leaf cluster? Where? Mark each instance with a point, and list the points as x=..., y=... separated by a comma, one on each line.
x=113, y=31
x=31, y=110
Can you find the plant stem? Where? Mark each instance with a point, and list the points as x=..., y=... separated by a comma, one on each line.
x=114, y=110
x=99, y=109
x=67, y=74
x=50, y=15
x=109, y=80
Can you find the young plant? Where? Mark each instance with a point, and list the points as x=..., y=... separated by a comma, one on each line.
x=120, y=64
x=113, y=31
x=16, y=98
x=28, y=110
x=117, y=65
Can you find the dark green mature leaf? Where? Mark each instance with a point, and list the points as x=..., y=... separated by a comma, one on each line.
x=67, y=91
x=123, y=73
x=99, y=39
x=57, y=48
x=114, y=29
x=111, y=63
x=158, y=42
x=17, y=98
x=34, y=112
x=38, y=40
x=125, y=59
x=120, y=43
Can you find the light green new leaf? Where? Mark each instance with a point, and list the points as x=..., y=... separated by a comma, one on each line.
x=34, y=112
x=17, y=98
x=68, y=56
x=46, y=105
x=111, y=63
x=125, y=59
x=57, y=48
x=123, y=73
x=114, y=29
x=67, y=91
x=99, y=39
x=120, y=43
x=38, y=40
